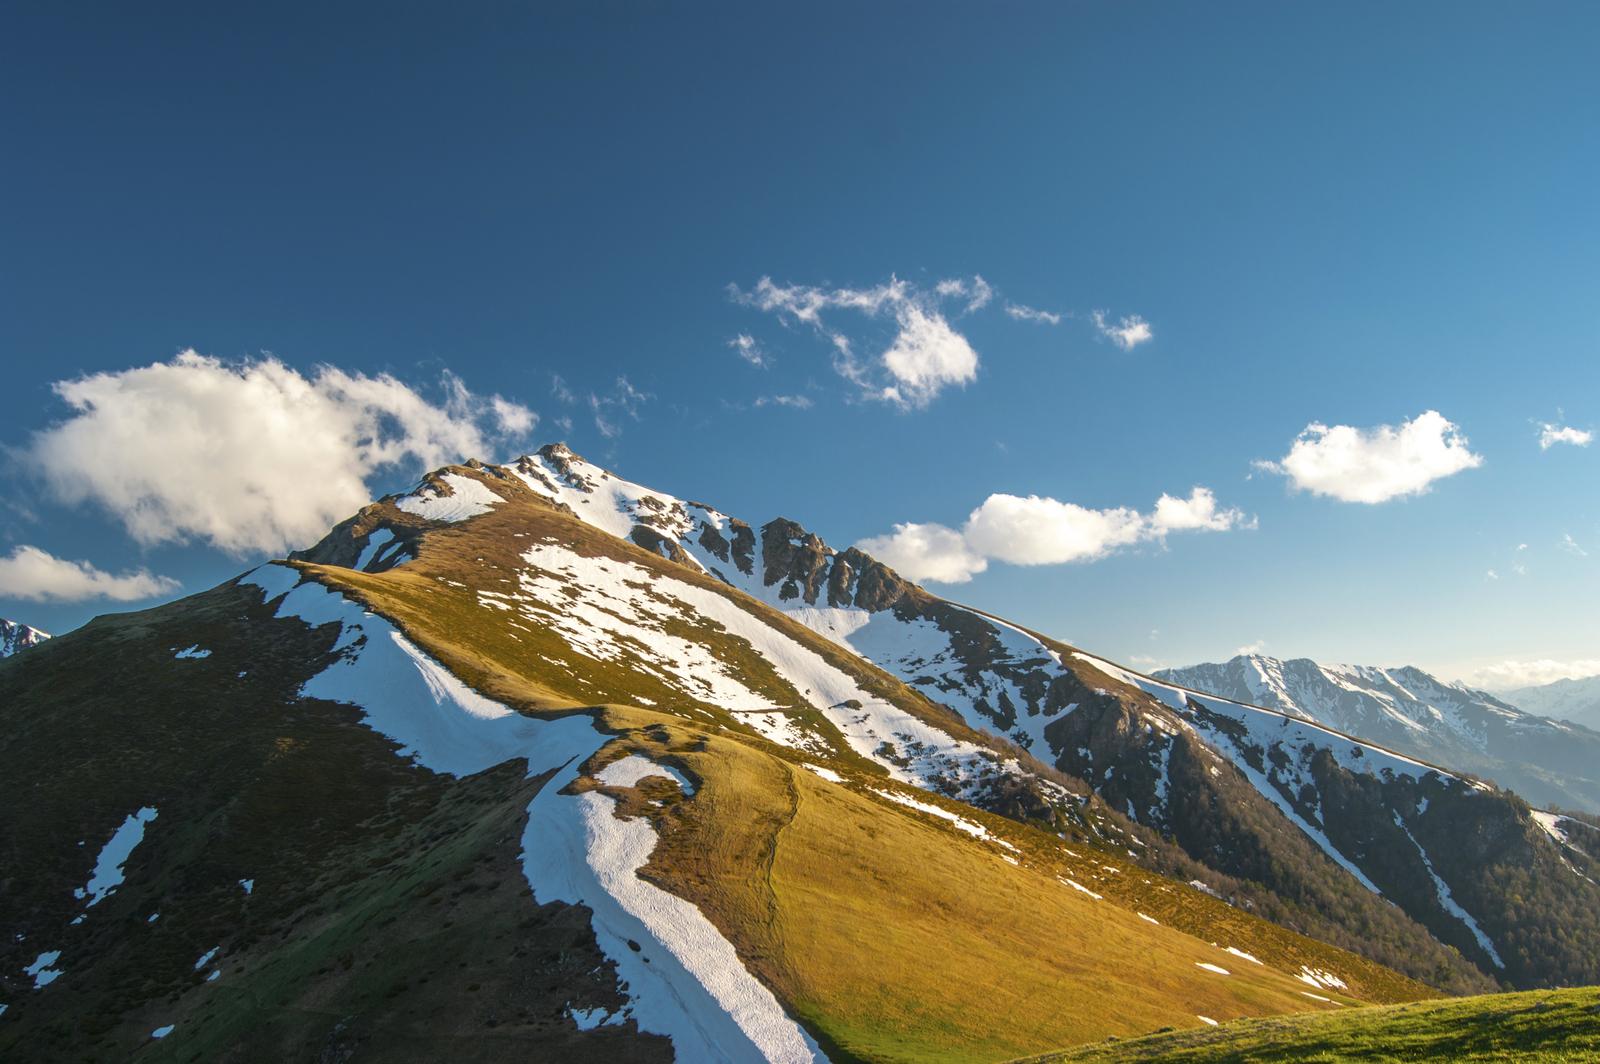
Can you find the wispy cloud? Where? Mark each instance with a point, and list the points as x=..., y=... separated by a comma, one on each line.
x=798, y=402
x=1041, y=531
x=977, y=294
x=38, y=576
x=1377, y=464
x=1127, y=334
x=749, y=349
x=609, y=409
x=1022, y=313
x=559, y=389
x=1570, y=545
x=250, y=457
x=926, y=355
x=1258, y=647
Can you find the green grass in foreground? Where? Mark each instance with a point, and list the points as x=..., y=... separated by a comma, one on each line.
x=1549, y=1026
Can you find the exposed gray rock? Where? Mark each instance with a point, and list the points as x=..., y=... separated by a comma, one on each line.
x=713, y=541
x=656, y=543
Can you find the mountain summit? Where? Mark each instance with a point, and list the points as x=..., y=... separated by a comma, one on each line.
x=535, y=762
x=15, y=637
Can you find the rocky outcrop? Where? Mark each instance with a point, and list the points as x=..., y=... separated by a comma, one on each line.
x=656, y=543
x=795, y=559
x=561, y=460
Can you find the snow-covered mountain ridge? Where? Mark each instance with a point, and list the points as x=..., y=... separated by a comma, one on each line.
x=1574, y=700
x=1409, y=710
x=15, y=637
x=475, y=778
x=1297, y=791
x=535, y=758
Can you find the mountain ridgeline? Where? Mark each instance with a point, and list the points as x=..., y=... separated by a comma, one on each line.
x=535, y=762
x=1577, y=701
x=15, y=637
x=1545, y=761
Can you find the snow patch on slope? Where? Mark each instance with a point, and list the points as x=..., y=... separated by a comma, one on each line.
x=614, y=610
x=467, y=498
x=695, y=990
x=1451, y=906
x=694, y=987
x=630, y=770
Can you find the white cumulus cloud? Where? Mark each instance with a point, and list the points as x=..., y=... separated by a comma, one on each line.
x=1510, y=675
x=1376, y=464
x=926, y=355
x=1040, y=531
x=38, y=576
x=1129, y=333
x=1550, y=435
x=250, y=457
x=927, y=552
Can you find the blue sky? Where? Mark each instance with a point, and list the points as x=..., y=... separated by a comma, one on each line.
x=1336, y=214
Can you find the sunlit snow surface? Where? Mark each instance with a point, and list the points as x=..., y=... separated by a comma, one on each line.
x=613, y=610
x=630, y=770
x=694, y=988
x=468, y=498
x=972, y=828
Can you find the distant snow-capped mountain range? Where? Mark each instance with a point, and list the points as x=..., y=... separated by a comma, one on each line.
x=1574, y=700
x=1413, y=712
x=15, y=637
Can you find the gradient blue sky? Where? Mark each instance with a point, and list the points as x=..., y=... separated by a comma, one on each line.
x=1349, y=214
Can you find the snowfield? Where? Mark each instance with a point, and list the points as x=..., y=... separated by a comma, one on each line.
x=467, y=498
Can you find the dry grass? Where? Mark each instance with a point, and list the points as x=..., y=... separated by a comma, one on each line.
x=890, y=933
x=1534, y=1027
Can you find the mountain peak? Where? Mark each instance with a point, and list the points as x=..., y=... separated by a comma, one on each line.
x=15, y=637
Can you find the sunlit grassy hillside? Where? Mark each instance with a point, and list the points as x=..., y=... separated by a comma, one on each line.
x=1534, y=1027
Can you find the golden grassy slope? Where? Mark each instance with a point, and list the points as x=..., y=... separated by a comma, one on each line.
x=1533, y=1027
x=890, y=932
